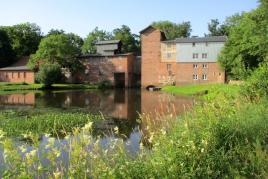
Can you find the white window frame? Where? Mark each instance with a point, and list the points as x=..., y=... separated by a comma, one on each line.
x=195, y=66
x=205, y=65
x=195, y=55
x=195, y=77
x=204, y=55
x=204, y=77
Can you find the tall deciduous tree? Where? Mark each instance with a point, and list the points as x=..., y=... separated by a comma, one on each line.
x=96, y=35
x=130, y=42
x=216, y=29
x=24, y=38
x=7, y=54
x=173, y=30
x=57, y=49
x=246, y=46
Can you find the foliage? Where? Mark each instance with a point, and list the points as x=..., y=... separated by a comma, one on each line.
x=247, y=42
x=212, y=90
x=222, y=138
x=93, y=37
x=105, y=84
x=173, y=30
x=61, y=49
x=40, y=123
x=24, y=38
x=130, y=42
x=55, y=32
x=7, y=54
x=49, y=74
x=215, y=29
x=256, y=86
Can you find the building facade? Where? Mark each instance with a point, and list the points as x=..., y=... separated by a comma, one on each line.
x=181, y=61
x=17, y=73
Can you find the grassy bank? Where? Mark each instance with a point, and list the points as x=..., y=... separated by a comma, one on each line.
x=222, y=138
x=18, y=123
x=209, y=91
x=23, y=86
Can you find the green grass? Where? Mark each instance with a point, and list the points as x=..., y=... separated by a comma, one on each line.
x=23, y=86
x=212, y=89
x=16, y=123
x=226, y=137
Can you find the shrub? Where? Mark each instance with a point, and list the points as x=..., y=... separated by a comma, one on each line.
x=49, y=74
x=257, y=85
x=105, y=84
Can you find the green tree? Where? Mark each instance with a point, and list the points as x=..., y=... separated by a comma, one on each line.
x=173, y=30
x=130, y=42
x=246, y=46
x=216, y=29
x=49, y=74
x=55, y=32
x=96, y=35
x=57, y=49
x=7, y=54
x=24, y=38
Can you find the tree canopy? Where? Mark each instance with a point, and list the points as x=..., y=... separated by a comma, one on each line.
x=24, y=38
x=93, y=37
x=246, y=46
x=7, y=54
x=173, y=30
x=130, y=41
x=57, y=49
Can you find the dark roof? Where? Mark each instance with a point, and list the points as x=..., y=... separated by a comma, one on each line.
x=169, y=41
x=108, y=42
x=148, y=27
x=17, y=68
x=20, y=65
x=202, y=39
x=99, y=55
x=151, y=27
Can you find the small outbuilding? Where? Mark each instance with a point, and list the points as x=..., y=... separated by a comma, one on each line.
x=17, y=73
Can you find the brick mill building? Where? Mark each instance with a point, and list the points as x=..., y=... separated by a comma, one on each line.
x=181, y=61
x=109, y=64
x=17, y=73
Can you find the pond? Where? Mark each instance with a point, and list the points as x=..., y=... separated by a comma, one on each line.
x=121, y=108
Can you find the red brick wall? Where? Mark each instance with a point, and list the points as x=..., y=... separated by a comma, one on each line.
x=17, y=76
x=185, y=73
x=151, y=57
x=153, y=71
x=101, y=68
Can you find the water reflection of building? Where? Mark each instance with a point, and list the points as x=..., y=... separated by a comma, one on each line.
x=18, y=99
x=120, y=107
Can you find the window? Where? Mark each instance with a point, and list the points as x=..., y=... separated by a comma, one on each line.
x=18, y=74
x=24, y=74
x=193, y=44
x=204, y=77
x=195, y=55
x=169, y=55
x=12, y=74
x=169, y=67
x=205, y=65
x=195, y=66
x=195, y=77
x=204, y=55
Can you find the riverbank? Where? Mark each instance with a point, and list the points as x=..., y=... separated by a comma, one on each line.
x=208, y=91
x=221, y=138
x=23, y=86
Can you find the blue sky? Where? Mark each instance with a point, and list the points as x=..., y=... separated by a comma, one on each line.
x=82, y=16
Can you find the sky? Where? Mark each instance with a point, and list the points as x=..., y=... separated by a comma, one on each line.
x=82, y=16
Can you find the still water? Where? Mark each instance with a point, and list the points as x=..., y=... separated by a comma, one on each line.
x=121, y=109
